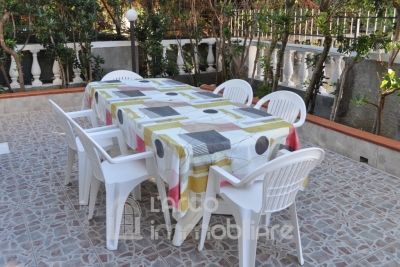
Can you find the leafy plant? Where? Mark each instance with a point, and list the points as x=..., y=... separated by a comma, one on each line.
x=150, y=30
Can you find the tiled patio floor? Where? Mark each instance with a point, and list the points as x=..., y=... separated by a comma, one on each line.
x=349, y=214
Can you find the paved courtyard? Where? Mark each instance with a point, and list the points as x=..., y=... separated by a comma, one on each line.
x=349, y=214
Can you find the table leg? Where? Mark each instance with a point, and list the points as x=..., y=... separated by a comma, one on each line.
x=185, y=225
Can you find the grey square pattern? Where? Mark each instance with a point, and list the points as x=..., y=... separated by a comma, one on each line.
x=253, y=113
x=206, y=142
x=158, y=112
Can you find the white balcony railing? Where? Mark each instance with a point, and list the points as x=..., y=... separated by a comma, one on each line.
x=295, y=70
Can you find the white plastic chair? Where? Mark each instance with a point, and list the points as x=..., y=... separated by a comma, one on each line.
x=121, y=175
x=75, y=146
x=283, y=178
x=121, y=75
x=237, y=90
x=286, y=105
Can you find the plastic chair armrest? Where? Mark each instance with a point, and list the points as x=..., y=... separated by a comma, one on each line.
x=218, y=171
x=121, y=159
x=101, y=128
x=84, y=113
x=116, y=132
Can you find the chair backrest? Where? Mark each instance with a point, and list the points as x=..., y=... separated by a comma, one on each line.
x=284, y=176
x=237, y=90
x=121, y=75
x=92, y=150
x=286, y=105
x=63, y=119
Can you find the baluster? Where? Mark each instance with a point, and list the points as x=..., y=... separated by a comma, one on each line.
x=274, y=60
x=260, y=71
x=164, y=53
x=179, y=60
x=210, y=57
x=13, y=74
x=77, y=71
x=196, y=59
x=337, y=70
x=322, y=89
x=303, y=73
x=35, y=69
x=220, y=62
x=56, y=72
x=288, y=69
x=309, y=68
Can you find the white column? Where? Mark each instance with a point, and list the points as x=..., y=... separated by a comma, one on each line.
x=220, y=62
x=322, y=89
x=77, y=71
x=288, y=69
x=260, y=71
x=309, y=68
x=57, y=73
x=35, y=69
x=13, y=74
x=337, y=70
x=179, y=60
x=252, y=57
x=303, y=73
x=210, y=58
x=164, y=54
x=196, y=58
x=274, y=60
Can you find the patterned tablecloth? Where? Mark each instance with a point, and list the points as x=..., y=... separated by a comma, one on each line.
x=189, y=130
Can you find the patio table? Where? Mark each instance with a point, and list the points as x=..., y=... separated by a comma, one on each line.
x=189, y=130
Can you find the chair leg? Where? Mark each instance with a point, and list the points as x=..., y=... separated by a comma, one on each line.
x=85, y=174
x=265, y=219
x=209, y=205
x=70, y=161
x=94, y=188
x=296, y=232
x=164, y=204
x=247, y=221
x=137, y=193
x=116, y=196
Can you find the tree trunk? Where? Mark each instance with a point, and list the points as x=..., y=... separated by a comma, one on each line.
x=381, y=105
x=10, y=51
x=3, y=71
x=339, y=93
x=281, y=54
x=318, y=70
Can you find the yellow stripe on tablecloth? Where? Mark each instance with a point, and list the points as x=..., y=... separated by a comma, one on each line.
x=230, y=113
x=173, y=119
x=105, y=94
x=184, y=88
x=115, y=105
x=212, y=104
x=196, y=185
x=305, y=182
x=205, y=167
x=187, y=96
x=178, y=148
x=155, y=81
x=266, y=127
x=94, y=88
x=131, y=114
x=148, y=130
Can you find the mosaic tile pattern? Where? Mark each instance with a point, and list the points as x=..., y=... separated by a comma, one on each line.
x=349, y=214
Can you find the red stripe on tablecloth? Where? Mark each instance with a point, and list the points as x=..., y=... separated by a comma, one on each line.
x=292, y=140
x=108, y=117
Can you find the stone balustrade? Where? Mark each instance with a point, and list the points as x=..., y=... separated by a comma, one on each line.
x=295, y=70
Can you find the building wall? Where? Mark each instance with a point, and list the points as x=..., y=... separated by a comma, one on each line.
x=363, y=79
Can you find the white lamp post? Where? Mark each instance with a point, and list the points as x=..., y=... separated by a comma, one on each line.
x=132, y=15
